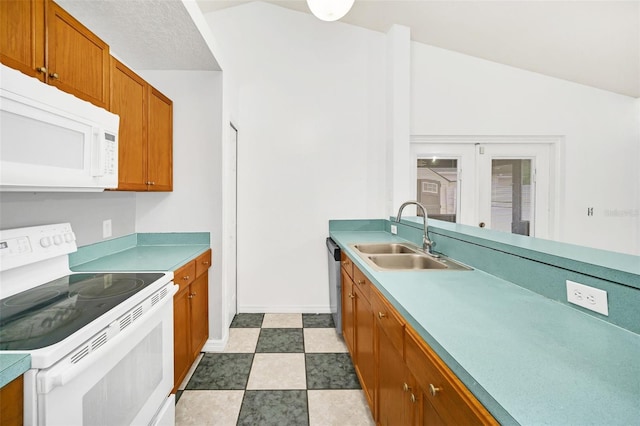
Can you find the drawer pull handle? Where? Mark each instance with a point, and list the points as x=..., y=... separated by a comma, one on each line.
x=382, y=315
x=412, y=398
x=186, y=277
x=433, y=390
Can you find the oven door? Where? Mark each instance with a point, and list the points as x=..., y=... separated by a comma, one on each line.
x=126, y=381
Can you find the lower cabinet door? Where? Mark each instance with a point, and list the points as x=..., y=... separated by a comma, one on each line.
x=365, y=360
x=348, y=314
x=391, y=390
x=182, y=355
x=198, y=299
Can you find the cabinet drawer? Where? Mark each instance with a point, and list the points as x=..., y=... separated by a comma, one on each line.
x=362, y=282
x=347, y=264
x=203, y=262
x=453, y=402
x=388, y=320
x=185, y=275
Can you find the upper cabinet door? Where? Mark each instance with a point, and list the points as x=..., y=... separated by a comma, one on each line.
x=22, y=36
x=129, y=100
x=78, y=60
x=160, y=142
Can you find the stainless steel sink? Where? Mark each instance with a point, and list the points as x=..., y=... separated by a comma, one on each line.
x=406, y=261
x=404, y=257
x=383, y=248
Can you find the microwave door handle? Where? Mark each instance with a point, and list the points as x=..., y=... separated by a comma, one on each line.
x=97, y=153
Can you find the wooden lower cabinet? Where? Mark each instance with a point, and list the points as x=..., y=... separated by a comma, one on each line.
x=12, y=403
x=190, y=315
x=404, y=380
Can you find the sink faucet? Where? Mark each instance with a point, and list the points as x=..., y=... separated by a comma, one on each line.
x=427, y=244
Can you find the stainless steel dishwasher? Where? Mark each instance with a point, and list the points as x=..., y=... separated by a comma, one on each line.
x=335, y=283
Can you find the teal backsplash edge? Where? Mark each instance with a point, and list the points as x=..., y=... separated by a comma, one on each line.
x=100, y=249
x=547, y=278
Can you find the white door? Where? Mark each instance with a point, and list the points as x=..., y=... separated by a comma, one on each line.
x=232, y=247
x=513, y=188
x=501, y=186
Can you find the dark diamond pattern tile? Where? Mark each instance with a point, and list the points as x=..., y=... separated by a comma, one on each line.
x=277, y=408
x=317, y=321
x=221, y=371
x=277, y=340
x=247, y=321
x=330, y=371
x=178, y=395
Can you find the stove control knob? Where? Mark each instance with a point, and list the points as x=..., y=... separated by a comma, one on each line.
x=45, y=242
x=57, y=239
x=69, y=237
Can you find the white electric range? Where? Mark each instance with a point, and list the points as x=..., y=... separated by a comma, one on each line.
x=101, y=344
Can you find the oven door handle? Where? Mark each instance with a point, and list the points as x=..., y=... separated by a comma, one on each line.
x=65, y=371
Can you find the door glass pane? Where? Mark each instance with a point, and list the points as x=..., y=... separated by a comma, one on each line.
x=511, y=196
x=438, y=187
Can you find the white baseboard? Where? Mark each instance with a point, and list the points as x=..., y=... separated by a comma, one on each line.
x=308, y=309
x=216, y=345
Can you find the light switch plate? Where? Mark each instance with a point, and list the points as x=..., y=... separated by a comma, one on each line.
x=588, y=297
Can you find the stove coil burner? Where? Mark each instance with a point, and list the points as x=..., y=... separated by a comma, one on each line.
x=107, y=286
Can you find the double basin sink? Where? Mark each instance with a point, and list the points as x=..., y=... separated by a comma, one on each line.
x=404, y=257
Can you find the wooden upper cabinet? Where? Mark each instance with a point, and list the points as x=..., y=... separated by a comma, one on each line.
x=22, y=36
x=78, y=61
x=40, y=39
x=160, y=142
x=145, y=145
x=129, y=94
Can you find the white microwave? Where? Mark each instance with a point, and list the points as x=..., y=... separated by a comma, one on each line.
x=51, y=140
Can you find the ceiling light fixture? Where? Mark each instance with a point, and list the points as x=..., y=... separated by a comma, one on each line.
x=330, y=10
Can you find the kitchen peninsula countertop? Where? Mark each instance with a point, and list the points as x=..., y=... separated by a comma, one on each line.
x=527, y=358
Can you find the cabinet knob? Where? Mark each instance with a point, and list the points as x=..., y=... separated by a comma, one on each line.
x=151, y=183
x=186, y=277
x=42, y=70
x=54, y=75
x=351, y=296
x=360, y=282
x=433, y=390
x=412, y=398
x=345, y=262
x=191, y=296
x=205, y=262
x=405, y=387
x=382, y=315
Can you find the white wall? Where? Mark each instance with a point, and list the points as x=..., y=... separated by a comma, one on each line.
x=456, y=94
x=85, y=211
x=195, y=205
x=311, y=145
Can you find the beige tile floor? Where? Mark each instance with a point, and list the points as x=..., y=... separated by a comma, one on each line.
x=276, y=371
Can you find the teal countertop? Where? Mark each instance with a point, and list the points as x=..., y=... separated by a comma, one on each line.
x=140, y=252
x=527, y=358
x=13, y=366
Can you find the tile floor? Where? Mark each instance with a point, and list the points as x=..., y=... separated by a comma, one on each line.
x=277, y=369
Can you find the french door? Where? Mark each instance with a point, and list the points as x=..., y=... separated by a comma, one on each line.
x=502, y=186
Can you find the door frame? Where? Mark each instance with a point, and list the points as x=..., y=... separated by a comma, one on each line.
x=556, y=145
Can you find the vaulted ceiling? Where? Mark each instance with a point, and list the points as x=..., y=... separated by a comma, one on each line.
x=596, y=43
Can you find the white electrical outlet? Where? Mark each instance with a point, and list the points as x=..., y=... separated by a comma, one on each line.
x=106, y=228
x=394, y=229
x=588, y=297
